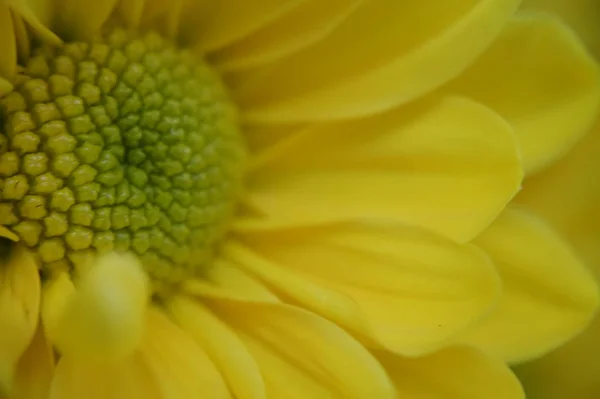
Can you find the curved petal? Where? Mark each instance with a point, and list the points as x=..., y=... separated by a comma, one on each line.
x=446, y=164
x=581, y=15
x=19, y=307
x=225, y=21
x=414, y=289
x=230, y=355
x=305, y=25
x=453, y=373
x=181, y=369
x=567, y=195
x=302, y=355
x=131, y=11
x=539, y=77
x=549, y=296
x=386, y=53
x=35, y=369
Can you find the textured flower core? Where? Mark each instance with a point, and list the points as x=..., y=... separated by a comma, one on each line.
x=123, y=143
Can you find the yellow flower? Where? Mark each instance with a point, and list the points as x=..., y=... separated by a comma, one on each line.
x=282, y=199
x=567, y=195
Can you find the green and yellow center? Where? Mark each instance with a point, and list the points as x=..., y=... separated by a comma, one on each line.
x=124, y=143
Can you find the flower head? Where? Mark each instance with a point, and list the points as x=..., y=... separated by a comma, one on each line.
x=282, y=199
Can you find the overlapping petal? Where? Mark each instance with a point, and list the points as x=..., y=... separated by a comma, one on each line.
x=443, y=375
x=386, y=53
x=540, y=78
x=548, y=296
x=446, y=164
x=415, y=290
x=35, y=369
x=301, y=355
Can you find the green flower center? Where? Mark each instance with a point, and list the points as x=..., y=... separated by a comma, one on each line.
x=123, y=143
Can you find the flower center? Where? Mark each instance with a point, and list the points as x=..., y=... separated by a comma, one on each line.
x=124, y=143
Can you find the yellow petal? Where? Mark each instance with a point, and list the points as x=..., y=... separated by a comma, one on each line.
x=224, y=280
x=224, y=21
x=76, y=19
x=39, y=14
x=35, y=369
x=567, y=195
x=227, y=351
x=19, y=308
x=306, y=24
x=386, y=53
x=22, y=36
x=415, y=290
x=165, y=15
x=581, y=15
x=180, y=367
x=127, y=378
x=130, y=11
x=8, y=44
x=453, y=373
x=539, y=77
x=549, y=296
x=560, y=375
x=446, y=164
x=303, y=356
x=104, y=315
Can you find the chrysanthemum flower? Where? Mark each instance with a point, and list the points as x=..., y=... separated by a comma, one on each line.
x=282, y=199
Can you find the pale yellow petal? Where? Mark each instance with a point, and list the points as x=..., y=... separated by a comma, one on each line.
x=226, y=350
x=19, y=307
x=180, y=368
x=453, y=373
x=76, y=19
x=104, y=316
x=549, y=295
x=22, y=36
x=225, y=21
x=8, y=44
x=304, y=356
x=35, y=369
x=306, y=24
x=415, y=290
x=446, y=164
x=540, y=78
x=386, y=53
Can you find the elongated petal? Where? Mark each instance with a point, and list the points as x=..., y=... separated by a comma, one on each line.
x=306, y=24
x=103, y=317
x=39, y=14
x=415, y=290
x=75, y=19
x=453, y=373
x=224, y=21
x=181, y=369
x=35, y=369
x=302, y=355
x=8, y=44
x=549, y=296
x=127, y=378
x=19, y=306
x=230, y=355
x=447, y=164
x=540, y=78
x=386, y=53
x=130, y=11
x=226, y=281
